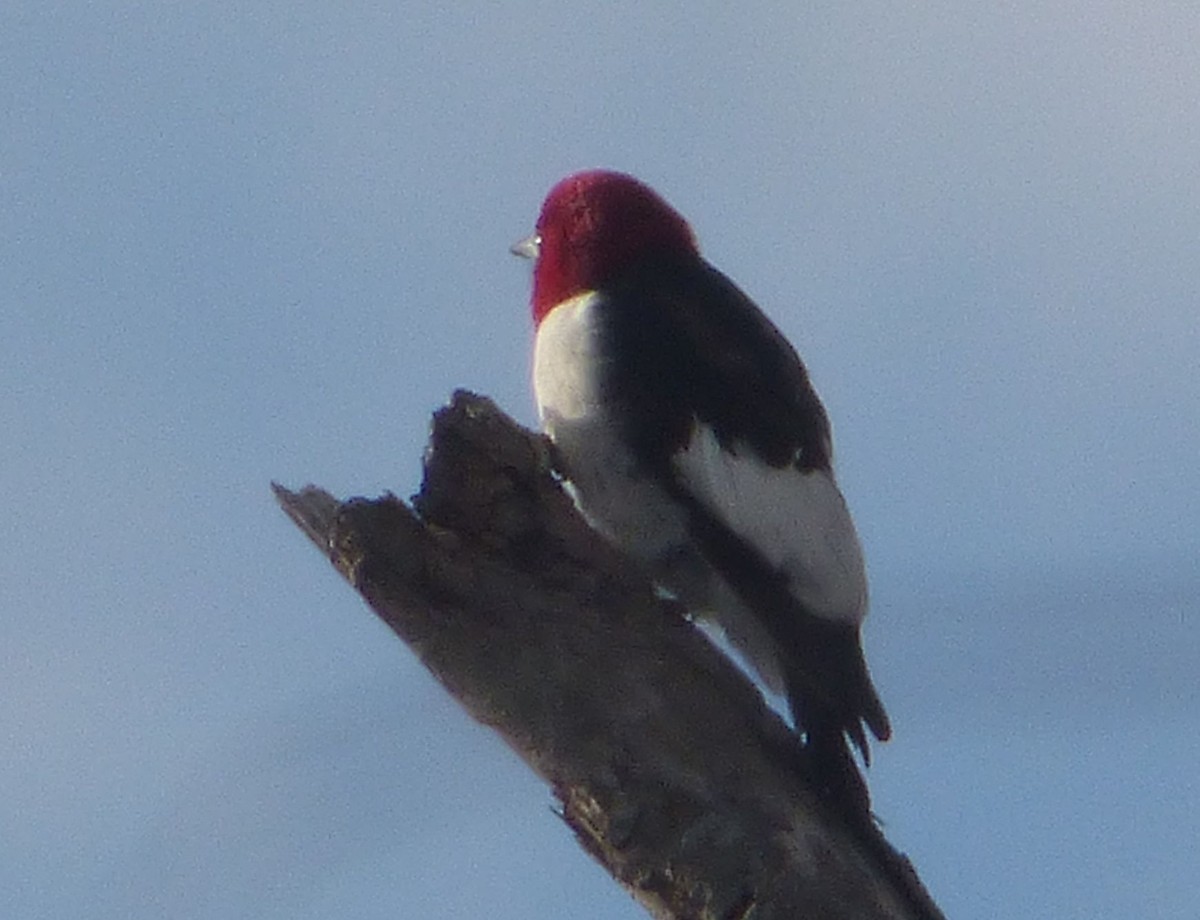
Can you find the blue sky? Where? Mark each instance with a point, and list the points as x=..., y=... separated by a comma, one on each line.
x=244, y=243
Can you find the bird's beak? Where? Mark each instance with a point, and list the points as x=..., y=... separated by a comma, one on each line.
x=526, y=248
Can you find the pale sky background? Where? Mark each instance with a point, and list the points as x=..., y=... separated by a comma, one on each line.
x=246, y=242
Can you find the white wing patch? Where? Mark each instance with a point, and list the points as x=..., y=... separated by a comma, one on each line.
x=797, y=520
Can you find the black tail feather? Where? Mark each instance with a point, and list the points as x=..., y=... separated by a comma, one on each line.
x=835, y=774
x=827, y=682
x=828, y=687
x=831, y=698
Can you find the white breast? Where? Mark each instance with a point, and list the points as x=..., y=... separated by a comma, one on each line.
x=606, y=483
x=566, y=357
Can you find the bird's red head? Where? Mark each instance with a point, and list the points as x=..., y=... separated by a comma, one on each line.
x=594, y=224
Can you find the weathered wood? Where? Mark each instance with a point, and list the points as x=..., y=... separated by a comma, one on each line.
x=671, y=770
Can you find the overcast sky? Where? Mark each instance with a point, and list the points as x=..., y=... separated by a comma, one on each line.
x=251, y=242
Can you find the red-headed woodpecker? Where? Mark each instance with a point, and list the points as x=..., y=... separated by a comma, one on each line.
x=691, y=437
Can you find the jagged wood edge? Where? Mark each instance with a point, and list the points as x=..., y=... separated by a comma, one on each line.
x=671, y=771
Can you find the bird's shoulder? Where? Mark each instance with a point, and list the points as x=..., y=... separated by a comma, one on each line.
x=689, y=347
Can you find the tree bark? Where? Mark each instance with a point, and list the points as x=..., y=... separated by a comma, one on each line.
x=671, y=770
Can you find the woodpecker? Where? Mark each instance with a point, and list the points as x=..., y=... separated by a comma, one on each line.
x=690, y=436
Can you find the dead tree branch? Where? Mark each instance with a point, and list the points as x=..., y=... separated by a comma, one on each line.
x=671, y=770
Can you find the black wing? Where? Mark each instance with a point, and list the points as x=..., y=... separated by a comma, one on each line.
x=689, y=346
